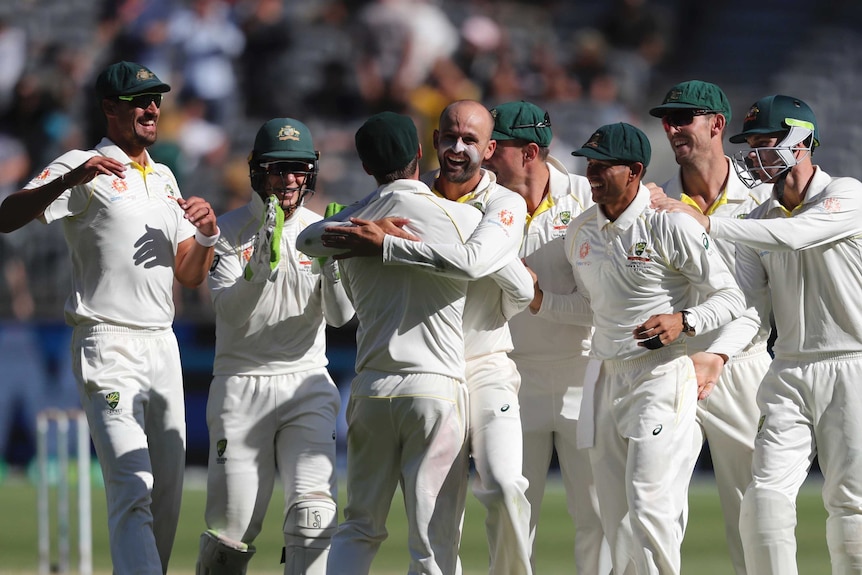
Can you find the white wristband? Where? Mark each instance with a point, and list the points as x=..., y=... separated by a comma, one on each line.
x=207, y=241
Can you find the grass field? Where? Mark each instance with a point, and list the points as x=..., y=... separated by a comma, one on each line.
x=703, y=551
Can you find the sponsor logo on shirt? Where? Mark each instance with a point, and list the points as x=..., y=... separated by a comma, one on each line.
x=120, y=187
x=832, y=205
x=246, y=253
x=584, y=250
x=507, y=218
x=44, y=174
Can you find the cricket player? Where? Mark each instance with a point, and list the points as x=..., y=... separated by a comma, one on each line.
x=694, y=115
x=551, y=356
x=800, y=252
x=272, y=405
x=130, y=234
x=463, y=141
x=637, y=269
x=407, y=415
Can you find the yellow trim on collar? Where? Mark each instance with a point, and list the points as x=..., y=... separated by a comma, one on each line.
x=546, y=204
x=722, y=200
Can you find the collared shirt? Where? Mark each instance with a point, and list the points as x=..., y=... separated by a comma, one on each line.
x=735, y=201
x=122, y=235
x=272, y=327
x=808, y=263
x=492, y=248
x=543, y=337
x=410, y=321
x=645, y=263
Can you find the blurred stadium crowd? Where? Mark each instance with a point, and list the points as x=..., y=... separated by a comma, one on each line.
x=235, y=63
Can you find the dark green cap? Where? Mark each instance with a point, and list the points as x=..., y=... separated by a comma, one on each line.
x=617, y=142
x=387, y=142
x=522, y=121
x=284, y=139
x=777, y=113
x=694, y=95
x=127, y=79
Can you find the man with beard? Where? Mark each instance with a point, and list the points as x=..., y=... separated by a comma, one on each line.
x=130, y=234
x=694, y=115
x=463, y=142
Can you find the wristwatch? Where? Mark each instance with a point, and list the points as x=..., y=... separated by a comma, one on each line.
x=689, y=322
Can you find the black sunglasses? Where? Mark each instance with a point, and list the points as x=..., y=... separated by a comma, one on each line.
x=679, y=118
x=142, y=100
x=546, y=123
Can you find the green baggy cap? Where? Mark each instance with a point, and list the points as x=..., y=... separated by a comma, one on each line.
x=126, y=79
x=617, y=142
x=694, y=95
x=387, y=142
x=522, y=121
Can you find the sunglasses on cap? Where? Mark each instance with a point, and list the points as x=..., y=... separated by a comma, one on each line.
x=679, y=118
x=142, y=100
x=546, y=123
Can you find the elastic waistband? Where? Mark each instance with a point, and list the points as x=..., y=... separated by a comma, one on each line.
x=649, y=359
x=753, y=351
x=101, y=328
x=822, y=356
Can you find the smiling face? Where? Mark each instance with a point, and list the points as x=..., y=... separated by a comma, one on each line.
x=131, y=127
x=463, y=141
x=690, y=134
x=613, y=184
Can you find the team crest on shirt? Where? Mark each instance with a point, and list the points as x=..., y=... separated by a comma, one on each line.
x=305, y=263
x=112, y=398
x=639, y=256
x=478, y=205
x=561, y=224
x=760, y=424
x=169, y=192
x=216, y=260
x=221, y=447
x=705, y=240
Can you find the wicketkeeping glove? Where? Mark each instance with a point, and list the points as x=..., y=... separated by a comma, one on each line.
x=263, y=265
x=328, y=267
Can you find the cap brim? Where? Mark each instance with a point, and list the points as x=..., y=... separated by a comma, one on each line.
x=660, y=111
x=147, y=88
x=591, y=153
x=742, y=136
x=286, y=156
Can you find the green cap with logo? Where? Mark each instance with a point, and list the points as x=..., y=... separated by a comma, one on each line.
x=127, y=79
x=777, y=113
x=283, y=139
x=619, y=142
x=522, y=121
x=387, y=142
x=694, y=95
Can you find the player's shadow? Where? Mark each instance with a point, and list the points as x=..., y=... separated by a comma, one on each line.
x=154, y=249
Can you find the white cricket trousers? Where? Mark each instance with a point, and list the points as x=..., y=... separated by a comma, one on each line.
x=131, y=387
x=409, y=430
x=261, y=425
x=644, y=418
x=808, y=407
x=550, y=397
x=496, y=443
x=727, y=419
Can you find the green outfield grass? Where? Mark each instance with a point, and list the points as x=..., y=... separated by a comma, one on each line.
x=703, y=551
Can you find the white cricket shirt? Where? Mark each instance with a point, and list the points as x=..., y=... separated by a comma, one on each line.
x=491, y=247
x=735, y=201
x=272, y=327
x=122, y=235
x=647, y=263
x=809, y=263
x=543, y=337
x=410, y=321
